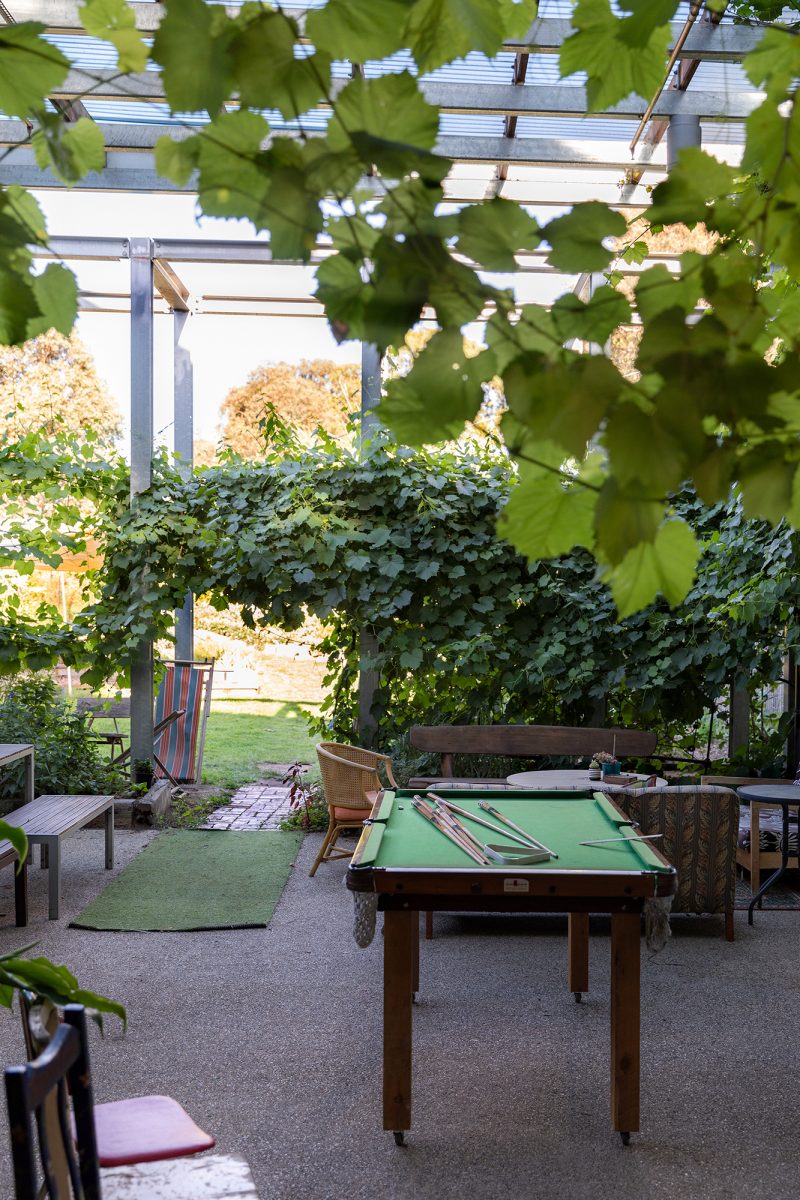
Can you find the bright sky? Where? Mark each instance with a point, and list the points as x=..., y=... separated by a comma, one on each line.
x=225, y=349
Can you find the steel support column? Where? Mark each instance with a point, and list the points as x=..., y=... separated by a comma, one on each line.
x=370, y=396
x=141, y=667
x=183, y=442
x=682, y=131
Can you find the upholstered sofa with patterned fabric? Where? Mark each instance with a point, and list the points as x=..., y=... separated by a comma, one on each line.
x=700, y=827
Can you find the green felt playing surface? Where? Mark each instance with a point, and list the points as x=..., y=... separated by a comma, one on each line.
x=401, y=837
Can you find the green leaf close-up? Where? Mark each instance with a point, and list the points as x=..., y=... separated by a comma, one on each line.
x=30, y=68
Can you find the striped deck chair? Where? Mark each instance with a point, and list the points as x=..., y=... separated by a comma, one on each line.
x=186, y=687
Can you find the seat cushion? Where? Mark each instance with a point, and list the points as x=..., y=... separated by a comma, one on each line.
x=356, y=815
x=146, y=1129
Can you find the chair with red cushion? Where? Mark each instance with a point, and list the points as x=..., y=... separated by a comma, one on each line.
x=141, y=1129
x=51, y=1115
x=351, y=782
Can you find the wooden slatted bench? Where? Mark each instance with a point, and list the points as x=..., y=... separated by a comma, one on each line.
x=522, y=741
x=48, y=819
x=8, y=855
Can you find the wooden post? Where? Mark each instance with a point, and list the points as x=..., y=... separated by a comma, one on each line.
x=399, y=931
x=625, y=987
x=739, y=726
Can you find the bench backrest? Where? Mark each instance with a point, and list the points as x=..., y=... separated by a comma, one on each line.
x=100, y=708
x=528, y=741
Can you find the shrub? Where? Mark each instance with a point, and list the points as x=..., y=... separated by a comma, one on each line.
x=68, y=759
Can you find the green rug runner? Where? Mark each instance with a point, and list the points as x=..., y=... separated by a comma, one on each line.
x=204, y=879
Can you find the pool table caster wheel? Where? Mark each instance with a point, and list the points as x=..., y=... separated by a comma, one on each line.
x=626, y=1138
x=578, y=997
x=399, y=1137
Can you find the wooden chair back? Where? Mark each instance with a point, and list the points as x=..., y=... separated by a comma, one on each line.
x=39, y=1113
x=528, y=741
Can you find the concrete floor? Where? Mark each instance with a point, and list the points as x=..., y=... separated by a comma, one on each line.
x=271, y=1038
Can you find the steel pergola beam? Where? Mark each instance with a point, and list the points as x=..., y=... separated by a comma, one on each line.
x=545, y=36
x=490, y=99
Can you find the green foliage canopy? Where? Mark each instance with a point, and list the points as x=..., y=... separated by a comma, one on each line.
x=716, y=403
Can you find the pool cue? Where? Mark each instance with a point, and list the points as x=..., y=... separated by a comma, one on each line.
x=428, y=813
x=480, y=821
x=484, y=804
x=453, y=822
x=645, y=837
x=434, y=819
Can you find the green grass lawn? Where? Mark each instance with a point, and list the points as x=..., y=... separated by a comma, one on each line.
x=243, y=733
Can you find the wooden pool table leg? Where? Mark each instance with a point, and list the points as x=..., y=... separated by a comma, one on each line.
x=578, y=950
x=625, y=937
x=415, y=975
x=400, y=934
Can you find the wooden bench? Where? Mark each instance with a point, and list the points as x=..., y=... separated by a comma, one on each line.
x=48, y=819
x=522, y=741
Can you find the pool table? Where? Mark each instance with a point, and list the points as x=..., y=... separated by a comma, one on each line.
x=412, y=867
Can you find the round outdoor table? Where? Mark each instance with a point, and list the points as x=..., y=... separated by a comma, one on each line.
x=786, y=795
x=570, y=780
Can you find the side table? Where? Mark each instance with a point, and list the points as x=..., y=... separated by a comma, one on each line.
x=786, y=796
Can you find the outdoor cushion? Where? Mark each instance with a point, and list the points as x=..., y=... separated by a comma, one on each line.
x=770, y=830
x=351, y=814
x=146, y=1129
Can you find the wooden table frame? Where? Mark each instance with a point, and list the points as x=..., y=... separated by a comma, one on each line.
x=405, y=892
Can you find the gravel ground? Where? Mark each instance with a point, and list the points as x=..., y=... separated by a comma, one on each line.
x=271, y=1038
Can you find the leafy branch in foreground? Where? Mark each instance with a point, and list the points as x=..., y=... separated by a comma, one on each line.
x=599, y=456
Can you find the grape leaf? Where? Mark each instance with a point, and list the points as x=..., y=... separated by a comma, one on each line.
x=592, y=321
x=18, y=306
x=561, y=402
x=767, y=483
x=267, y=71
x=192, y=44
x=546, y=517
x=624, y=518
x=115, y=22
x=71, y=149
x=658, y=290
x=774, y=63
x=577, y=237
x=387, y=121
x=359, y=29
x=442, y=370
x=665, y=565
x=291, y=208
x=438, y=31
x=56, y=292
x=493, y=232
x=232, y=181
x=343, y=292
x=177, y=160
x=642, y=451
x=30, y=68
x=694, y=181
x=619, y=56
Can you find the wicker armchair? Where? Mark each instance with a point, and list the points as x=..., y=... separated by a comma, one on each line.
x=351, y=782
x=700, y=827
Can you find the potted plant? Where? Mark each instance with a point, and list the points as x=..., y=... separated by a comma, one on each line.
x=607, y=764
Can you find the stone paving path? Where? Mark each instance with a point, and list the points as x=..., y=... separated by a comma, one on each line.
x=254, y=806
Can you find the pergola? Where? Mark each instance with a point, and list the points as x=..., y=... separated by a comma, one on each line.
x=511, y=126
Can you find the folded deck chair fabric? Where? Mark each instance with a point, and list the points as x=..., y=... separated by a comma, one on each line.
x=185, y=688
